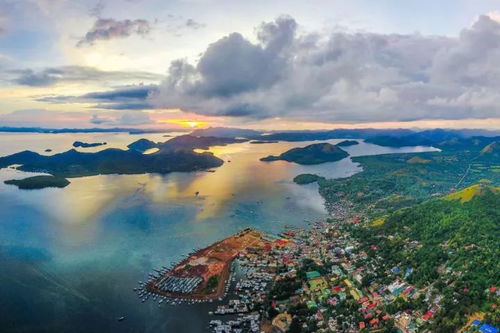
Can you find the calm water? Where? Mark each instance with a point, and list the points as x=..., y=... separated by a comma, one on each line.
x=70, y=257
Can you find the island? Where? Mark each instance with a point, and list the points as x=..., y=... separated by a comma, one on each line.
x=306, y=178
x=80, y=144
x=177, y=154
x=38, y=182
x=256, y=142
x=347, y=143
x=313, y=154
x=142, y=145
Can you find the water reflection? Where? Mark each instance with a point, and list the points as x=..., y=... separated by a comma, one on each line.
x=79, y=250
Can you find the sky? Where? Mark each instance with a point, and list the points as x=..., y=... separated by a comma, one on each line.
x=281, y=64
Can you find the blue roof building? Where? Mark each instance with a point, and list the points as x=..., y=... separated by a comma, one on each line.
x=476, y=323
x=487, y=328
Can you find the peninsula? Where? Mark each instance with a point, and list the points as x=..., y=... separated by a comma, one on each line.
x=204, y=274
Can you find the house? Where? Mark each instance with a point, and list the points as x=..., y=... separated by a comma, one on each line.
x=312, y=275
x=487, y=328
x=282, y=321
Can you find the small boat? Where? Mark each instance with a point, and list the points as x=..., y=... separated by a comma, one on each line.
x=121, y=319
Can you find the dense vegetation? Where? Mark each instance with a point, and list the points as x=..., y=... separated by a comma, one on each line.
x=38, y=182
x=306, y=178
x=347, y=143
x=312, y=154
x=447, y=244
x=398, y=180
x=81, y=144
x=174, y=155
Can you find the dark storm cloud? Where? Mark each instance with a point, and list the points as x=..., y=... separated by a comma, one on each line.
x=52, y=75
x=341, y=76
x=243, y=110
x=106, y=29
x=123, y=98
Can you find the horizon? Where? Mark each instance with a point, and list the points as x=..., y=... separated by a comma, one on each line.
x=185, y=64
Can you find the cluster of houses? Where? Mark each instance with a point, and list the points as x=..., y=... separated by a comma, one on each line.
x=335, y=287
x=341, y=284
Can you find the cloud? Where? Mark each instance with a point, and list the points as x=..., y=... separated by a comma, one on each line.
x=123, y=119
x=342, y=76
x=51, y=118
x=53, y=75
x=191, y=23
x=106, y=29
x=3, y=24
x=44, y=118
x=122, y=98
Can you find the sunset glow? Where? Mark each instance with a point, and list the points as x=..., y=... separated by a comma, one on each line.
x=185, y=123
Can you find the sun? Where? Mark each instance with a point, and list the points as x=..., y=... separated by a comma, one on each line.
x=193, y=124
x=186, y=123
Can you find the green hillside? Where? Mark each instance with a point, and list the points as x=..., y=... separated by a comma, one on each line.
x=452, y=249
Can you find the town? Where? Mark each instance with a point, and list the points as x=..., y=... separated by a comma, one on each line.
x=319, y=278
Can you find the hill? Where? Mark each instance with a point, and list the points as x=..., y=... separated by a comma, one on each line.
x=491, y=149
x=226, y=132
x=470, y=192
x=347, y=143
x=313, y=154
x=449, y=248
x=174, y=155
x=142, y=145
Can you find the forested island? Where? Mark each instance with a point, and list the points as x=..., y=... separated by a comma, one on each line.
x=174, y=155
x=313, y=154
x=38, y=182
x=80, y=144
x=347, y=143
x=306, y=178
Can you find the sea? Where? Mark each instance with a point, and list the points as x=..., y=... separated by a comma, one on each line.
x=70, y=258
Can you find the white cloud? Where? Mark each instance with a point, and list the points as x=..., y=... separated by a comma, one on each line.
x=349, y=77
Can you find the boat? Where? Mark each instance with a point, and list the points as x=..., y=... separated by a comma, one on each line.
x=120, y=318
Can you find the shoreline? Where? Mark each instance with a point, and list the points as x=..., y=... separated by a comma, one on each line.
x=216, y=258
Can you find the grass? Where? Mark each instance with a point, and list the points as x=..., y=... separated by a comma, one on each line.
x=417, y=160
x=468, y=193
x=378, y=222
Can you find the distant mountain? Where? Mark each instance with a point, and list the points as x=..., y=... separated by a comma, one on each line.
x=80, y=130
x=197, y=142
x=312, y=154
x=226, y=132
x=334, y=134
x=424, y=138
x=476, y=143
x=81, y=144
x=183, y=142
